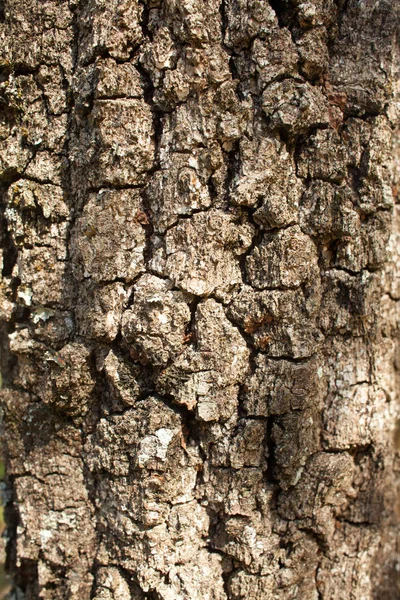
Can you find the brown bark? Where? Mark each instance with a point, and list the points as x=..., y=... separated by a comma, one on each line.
x=199, y=300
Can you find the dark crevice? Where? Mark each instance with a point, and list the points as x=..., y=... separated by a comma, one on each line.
x=190, y=426
x=93, y=572
x=318, y=538
x=224, y=19
x=27, y=578
x=280, y=7
x=342, y=11
x=191, y=326
x=10, y=252
x=145, y=21
x=270, y=447
x=232, y=66
x=152, y=595
x=8, y=177
x=148, y=225
x=225, y=578
x=149, y=230
x=147, y=83
x=12, y=520
x=19, y=69
x=212, y=190
x=233, y=164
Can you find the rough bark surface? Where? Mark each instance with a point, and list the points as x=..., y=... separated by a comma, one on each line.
x=199, y=304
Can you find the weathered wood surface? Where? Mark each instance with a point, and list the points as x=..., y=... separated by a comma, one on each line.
x=200, y=347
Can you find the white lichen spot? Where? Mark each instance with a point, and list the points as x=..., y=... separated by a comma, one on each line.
x=41, y=313
x=164, y=436
x=45, y=536
x=250, y=536
x=155, y=446
x=25, y=293
x=163, y=318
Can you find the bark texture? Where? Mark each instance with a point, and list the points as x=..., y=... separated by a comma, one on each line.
x=199, y=303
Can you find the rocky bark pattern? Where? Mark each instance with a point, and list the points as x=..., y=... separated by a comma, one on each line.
x=200, y=315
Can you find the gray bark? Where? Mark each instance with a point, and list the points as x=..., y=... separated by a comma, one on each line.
x=199, y=303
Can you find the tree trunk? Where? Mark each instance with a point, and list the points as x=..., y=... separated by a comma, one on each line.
x=200, y=298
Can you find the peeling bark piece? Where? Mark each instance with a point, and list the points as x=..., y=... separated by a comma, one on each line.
x=124, y=378
x=155, y=327
x=68, y=382
x=321, y=502
x=323, y=156
x=38, y=33
x=267, y=180
x=117, y=80
x=180, y=188
x=113, y=145
x=285, y=259
x=32, y=264
x=280, y=323
x=109, y=26
x=350, y=302
x=246, y=20
x=274, y=56
x=365, y=87
x=295, y=107
x=109, y=239
x=99, y=310
x=281, y=387
x=327, y=212
x=205, y=377
x=199, y=254
x=53, y=498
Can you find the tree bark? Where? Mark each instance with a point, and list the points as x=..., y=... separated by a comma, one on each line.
x=199, y=303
